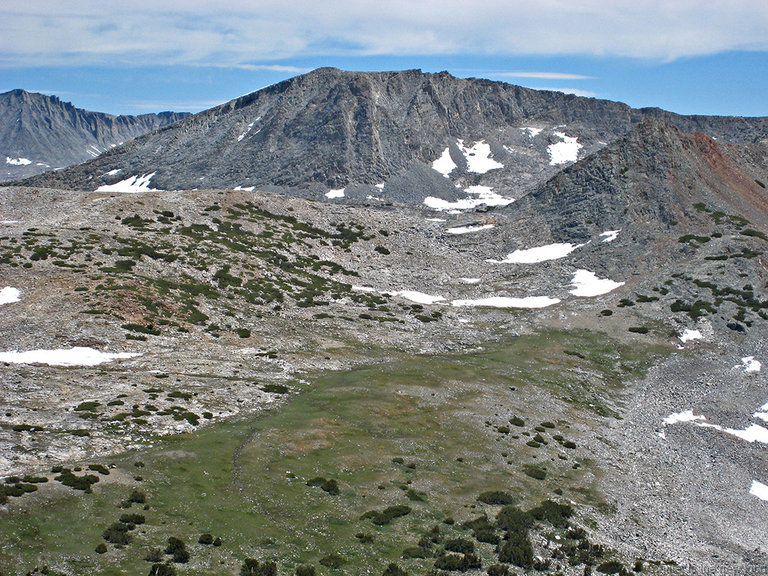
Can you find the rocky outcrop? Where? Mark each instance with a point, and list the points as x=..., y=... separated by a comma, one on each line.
x=331, y=129
x=39, y=133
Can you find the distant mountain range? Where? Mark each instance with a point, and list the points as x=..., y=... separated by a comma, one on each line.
x=379, y=137
x=40, y=133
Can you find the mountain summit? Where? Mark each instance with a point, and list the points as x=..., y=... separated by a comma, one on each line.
x=399, y=136
x=39, y=132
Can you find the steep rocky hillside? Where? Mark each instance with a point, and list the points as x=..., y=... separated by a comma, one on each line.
x=39, y=133
x=378, y=137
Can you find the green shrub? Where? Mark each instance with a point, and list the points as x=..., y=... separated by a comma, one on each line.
x=387, y=515
x=498, y=570
x=306, y=570
x=460, y=546
x=415, y=552
x=517, y=550
x=611, y=567
x=101, y=548
x=536, y=472
x=253, y=567
x=458, y=562
x=497, y=497
x=132, y=519
x=100, y=468
x=552, y=512
x=205, y=539
x=364, y=537
x=166, y=569
x=638, y=329
x=117, y=533
x=275, y=388
x=332, y=560
x=394, y=570
x=513, y=519
x=517, y=421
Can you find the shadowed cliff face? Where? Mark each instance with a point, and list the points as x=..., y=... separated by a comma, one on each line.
x=39, y=133
x=331, y=129
x=653, y=178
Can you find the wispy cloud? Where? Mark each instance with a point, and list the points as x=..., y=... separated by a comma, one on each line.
x=574, y=91
x=243, y=33
x=543, y=75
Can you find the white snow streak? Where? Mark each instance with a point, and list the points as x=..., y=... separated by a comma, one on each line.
x=759, y=489
x=469, y=229
x=565, y=151
x=77, y=356
x=689, y=335
x=10, y=294
x=18, y=161
x=130, y=185
x=507, y=302
x=610, y=235
x=470, y=280
x=686, y=416
x=750, y=364
x=484, y=195
x=445, y=164
x=538, y=254
x=586, y=284
x=246, y=189
x=339, y=193
x=418, y=297
x=478, y=157
x=532, y=132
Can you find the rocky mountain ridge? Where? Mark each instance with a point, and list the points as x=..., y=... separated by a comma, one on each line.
x=40, y=133
x=382, y=136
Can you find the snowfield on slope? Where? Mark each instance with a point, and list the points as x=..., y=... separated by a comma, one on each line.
x=10, y=294
x=586, y=284
x=538, y=254
x=565, y=151
x=78, y=356
x=131, y=185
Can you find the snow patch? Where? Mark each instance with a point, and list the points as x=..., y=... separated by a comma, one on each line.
x=470, y=280
x=532, y=132
x=412, y=295
x=538, y=254
x=418, y=297
x=759, y=489
x=609, y=235
x=130, y=185
x=469, y=229
x=484, y=195
x=78, y=356
x=339, y=193
x=587, y=284
x=750, y=364
x=478, y=157
x=114, y=172
x=686, y=416
x=565, y=151
x=246, y=189
x=445, y=164
x=508, y=302
x=689, y=335
x=18, y=161
x=10, y=294
x=380, y=186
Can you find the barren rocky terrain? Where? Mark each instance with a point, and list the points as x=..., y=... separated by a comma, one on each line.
x=559, y=376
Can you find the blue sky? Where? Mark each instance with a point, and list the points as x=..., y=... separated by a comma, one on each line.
x=131, y=58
